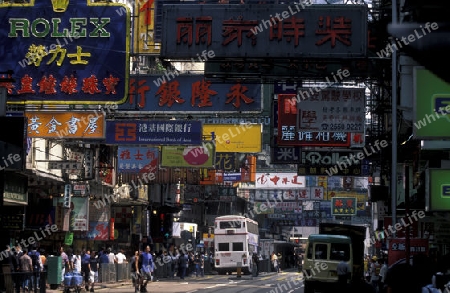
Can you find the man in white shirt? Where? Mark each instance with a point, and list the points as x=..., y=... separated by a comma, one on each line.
x=120, y=257
x=111, y=256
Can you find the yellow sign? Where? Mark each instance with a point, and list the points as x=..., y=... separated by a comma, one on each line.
x=66, y=124
x=144, y=28
x=241, y=138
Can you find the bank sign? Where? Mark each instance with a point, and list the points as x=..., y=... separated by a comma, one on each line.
x=65, y=51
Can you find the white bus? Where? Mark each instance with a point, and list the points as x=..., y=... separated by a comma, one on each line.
x=236, y=238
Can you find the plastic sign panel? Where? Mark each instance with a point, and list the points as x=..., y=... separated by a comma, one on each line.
x=65, y=51
x=86, y=125
x=439, y=190
x=431, y=105
x=233, y=31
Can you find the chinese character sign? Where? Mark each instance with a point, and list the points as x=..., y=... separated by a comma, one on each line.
x=320, y=31
x=343, y=206
x=191, y=94
x=144, y=24
x=62, y=51
x=333, y=109
x=286, y=111
x=66, y=124
x=171, y=132
x=137, y=159
x=279, y=180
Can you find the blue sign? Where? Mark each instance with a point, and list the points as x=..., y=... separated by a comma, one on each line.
x=138, y=159
x=65, y=51
x=440, y=104
x=170, y=93
x=445, y=190
x=172, y=132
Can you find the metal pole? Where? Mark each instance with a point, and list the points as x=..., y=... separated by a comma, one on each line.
x=394, y=124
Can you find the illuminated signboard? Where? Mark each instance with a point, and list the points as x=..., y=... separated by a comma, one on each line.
x=66, y=124
x=234, y=31
x=65, y=52
x=162, y=93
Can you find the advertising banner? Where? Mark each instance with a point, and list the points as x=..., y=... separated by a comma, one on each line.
x=188, y=156
x=144, y=28
x=65, y=52
x=242, y=138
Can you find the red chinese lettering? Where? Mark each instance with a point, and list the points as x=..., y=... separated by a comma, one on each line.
x=233, y=30
x=169, y=94
x=237, y=93
x=141, y=90
x=138, y=155
x=26, y=85
x=275, y=179
x=203, y=30
x=8, y=85
x=90, y=85
x=349, y=203
x=125, y=155
x=110, y=84
x=184, y=30
x=147, y=7
x=340, y=30
x=69, y=85
x=201, y=91
x=47, y=85
x=291, y=28
x=338, y=203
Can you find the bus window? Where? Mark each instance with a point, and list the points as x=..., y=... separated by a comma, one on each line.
x=224, y=246
x=310, y=251
x=321, y=251
x=338, y=250
x=229, y=224
x=238, y=246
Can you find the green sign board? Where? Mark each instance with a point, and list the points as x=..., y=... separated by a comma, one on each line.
x=439, y=190
x=343, y=206
x=432, y=105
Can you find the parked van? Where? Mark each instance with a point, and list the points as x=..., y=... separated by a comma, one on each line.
x=323, y=254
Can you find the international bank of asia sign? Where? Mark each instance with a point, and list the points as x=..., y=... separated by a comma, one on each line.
x=65, y=51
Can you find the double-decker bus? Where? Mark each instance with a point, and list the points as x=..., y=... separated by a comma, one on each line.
x=236, y=238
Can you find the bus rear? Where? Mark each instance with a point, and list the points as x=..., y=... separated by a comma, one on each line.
x=233, y=244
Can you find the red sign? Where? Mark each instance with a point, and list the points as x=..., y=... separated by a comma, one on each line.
x=397, y=248
x=404, y=222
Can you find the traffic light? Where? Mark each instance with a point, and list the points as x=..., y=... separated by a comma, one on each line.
x=67, y=192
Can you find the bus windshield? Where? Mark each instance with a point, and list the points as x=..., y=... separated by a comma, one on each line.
x=229, y=224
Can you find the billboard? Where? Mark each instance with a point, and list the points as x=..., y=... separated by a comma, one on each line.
x=188, y=156
x=65, y=52
x=343, y=206
x=242, y=138
x=152, y=132
x=431, y=105
x=238, y=31
x=86, y=125
x=170, y=93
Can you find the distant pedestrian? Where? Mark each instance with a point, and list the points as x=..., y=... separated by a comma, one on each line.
x=343, y=272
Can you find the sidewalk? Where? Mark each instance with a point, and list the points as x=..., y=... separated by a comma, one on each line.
x=97, y=287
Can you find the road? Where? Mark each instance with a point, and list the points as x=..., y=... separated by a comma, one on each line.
x=285, y=282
